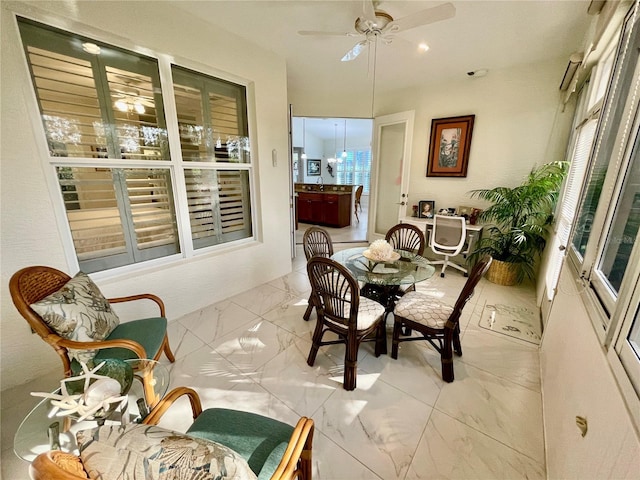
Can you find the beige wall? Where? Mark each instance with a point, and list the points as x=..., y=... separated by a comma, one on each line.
x=30, y=234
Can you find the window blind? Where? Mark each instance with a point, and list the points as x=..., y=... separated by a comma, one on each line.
x=573, y=188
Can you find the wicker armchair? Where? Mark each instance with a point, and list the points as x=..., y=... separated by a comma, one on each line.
x=254, y=437
x=144, y=338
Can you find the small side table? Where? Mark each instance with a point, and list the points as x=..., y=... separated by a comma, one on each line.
x=150, y=384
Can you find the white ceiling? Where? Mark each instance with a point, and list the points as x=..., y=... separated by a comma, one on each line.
x=483, y=34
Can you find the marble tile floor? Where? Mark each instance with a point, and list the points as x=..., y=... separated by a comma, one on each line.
x=402, y=421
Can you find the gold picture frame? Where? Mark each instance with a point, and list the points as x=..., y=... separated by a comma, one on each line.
x=449, y=146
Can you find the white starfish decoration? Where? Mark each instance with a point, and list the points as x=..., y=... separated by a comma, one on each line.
x=70, y=404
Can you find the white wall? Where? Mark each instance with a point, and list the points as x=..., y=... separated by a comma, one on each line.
x=518, y=124
x=577, y=380
x=30, y=233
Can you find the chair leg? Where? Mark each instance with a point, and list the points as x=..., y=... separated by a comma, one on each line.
x=381, y=338
x=167, y=349
x=457, y=347
x=444, y=265
x=447, y=369
x=350, y=363
x=315, y=344
x=307, y=313
x=306, y=459
x=397, y=326
x=446, y=356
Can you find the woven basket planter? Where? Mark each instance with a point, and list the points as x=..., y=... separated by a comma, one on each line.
x=502, y=273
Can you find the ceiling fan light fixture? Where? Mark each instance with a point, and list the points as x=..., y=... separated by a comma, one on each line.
x=138, y=107
x=121, y=105
x=364, y=25
x=91, y=48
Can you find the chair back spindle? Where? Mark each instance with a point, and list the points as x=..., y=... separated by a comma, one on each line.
x=316, y=241
x=407, y=237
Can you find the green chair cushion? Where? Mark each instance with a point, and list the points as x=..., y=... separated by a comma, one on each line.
x=261, y=441
x=148, y=332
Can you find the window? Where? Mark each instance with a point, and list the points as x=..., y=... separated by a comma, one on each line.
x=356, y=169
x=604, y=247
x=604, y=233
x=103, y=115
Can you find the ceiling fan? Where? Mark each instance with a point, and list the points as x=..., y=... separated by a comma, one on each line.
x=375, y=23
x=129, y=97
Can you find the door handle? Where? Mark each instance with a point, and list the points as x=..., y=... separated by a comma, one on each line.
x=401, y=203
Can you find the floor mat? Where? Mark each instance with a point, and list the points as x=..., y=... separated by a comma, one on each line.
x=520, y=322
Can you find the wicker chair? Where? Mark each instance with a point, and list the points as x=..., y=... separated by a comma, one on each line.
x=357, y=205
x=410, y=238
x=343, y=311
x=435, y=321
x=272, y=449
x=145, y=338
x=316, y=241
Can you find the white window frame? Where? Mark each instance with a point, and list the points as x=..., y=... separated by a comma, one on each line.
x=585, y=268
x=613, y=327
x=175, y=163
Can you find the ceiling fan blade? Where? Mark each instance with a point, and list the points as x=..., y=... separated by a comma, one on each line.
x=424, y=17
x=368, y=11
x=354, y=52
x=325, y=34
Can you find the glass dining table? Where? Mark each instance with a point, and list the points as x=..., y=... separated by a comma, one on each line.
x=382, y=280
x=41, y=430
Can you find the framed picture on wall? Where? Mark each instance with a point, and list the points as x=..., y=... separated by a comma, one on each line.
x=426, y=208
x=313, y=168
x=449, y=146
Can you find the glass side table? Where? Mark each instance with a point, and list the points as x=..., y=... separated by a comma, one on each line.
x=150, y=384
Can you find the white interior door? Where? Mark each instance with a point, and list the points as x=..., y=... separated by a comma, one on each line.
x=392, y=137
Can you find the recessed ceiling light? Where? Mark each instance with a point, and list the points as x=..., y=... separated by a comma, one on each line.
x=423, y=47
x=91, y=48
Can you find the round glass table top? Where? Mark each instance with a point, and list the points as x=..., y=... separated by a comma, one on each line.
x=409, y=268
x=150, y=384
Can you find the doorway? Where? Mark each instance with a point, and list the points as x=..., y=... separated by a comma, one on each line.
x=334, y=151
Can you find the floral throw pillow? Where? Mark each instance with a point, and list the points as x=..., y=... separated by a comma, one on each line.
x=78, y=311
x=149, y=452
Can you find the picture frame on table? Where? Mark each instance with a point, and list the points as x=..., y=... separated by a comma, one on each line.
x=449, y=146
x=313, y=168
x=426, y=208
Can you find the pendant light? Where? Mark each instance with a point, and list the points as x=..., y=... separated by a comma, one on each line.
x=304, y=141
x=333, y=158
x=344, y=142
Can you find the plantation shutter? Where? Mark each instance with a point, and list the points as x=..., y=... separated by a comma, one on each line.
x=92, y=210
x=151, y=206
x=69, y=104
x=234, y=202
x=218, y=205
x=118, y=216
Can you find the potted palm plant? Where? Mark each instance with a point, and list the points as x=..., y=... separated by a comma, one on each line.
x=517, y=223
